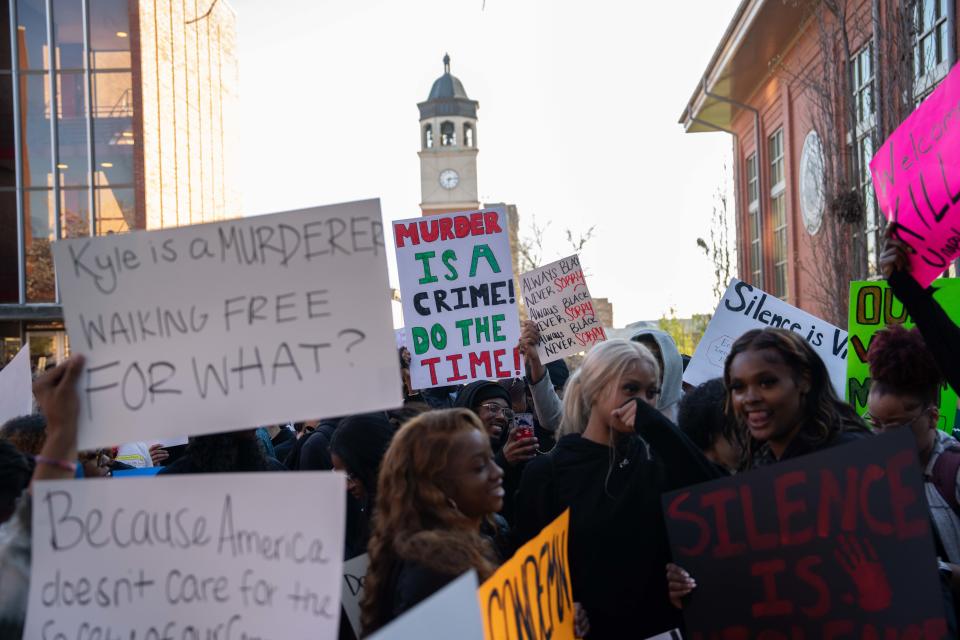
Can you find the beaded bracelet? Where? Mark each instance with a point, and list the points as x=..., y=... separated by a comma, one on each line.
x=66, y=465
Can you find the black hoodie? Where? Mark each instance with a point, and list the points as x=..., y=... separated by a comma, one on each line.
x=467, y=399
x=618, y=548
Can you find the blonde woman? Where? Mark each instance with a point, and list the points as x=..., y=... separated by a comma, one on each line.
x=616, y=456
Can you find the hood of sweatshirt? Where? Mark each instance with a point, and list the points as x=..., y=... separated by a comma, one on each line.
x=672, y=388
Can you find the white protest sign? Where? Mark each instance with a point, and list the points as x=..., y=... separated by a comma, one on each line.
x=559, y=302
x=745, y=307
x=452, y=612
x=16, y=387
x=194, y=556
x=459, y=304
x=354, y=571
x=227, y=325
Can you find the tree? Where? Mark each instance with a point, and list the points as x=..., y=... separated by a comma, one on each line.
x=718, y=249
x=686, y=333
x=531, y=247
x=838, y=114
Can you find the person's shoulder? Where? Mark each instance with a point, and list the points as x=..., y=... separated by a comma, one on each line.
x=275, y=465
x=180, y=465
x=415, y=583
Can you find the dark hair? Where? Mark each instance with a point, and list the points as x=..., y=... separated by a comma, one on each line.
x=224, y=452
x=901, y=363
x=824, y=414
x=361, y=441
x=702, y=416
x=15, y=472
x=27, y=433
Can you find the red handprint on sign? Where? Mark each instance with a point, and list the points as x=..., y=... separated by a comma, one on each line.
x=873, y=588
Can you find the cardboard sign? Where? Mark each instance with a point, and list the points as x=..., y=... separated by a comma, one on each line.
x=828, y=545
x=16, y=387
x=873, y=307
x=227, y=325
x=530, y=595
x=459, y=304
x=194, y=556
x=916, y=176
x=354, y=572
x=559, y=302
x=451, y=612
x=744, y=307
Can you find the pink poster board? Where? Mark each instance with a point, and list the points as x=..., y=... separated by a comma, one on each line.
x=916, y=174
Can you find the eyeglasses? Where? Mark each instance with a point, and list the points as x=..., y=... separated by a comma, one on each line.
x=497, y=410
x=879, y=426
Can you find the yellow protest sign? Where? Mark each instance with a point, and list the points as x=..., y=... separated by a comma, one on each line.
x=530, y=595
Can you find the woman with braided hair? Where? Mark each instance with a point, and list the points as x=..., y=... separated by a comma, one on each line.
x=905, y=394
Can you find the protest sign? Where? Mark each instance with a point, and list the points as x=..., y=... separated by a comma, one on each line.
x=187, y=557
x=459, y=305
x=916, y=176
x=873, y=307
x=832, y=544
x=354, y=572
x=559, y=302
x=16, y=387
x=451, y=612
x=227, y=325
x=745, y=307
x=530, y=595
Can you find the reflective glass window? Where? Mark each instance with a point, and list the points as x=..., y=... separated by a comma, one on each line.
x=32, y=33
x=8, y=176
x=68, y=33
x=35, y=135
x=9, y=272
x=39, y=234
x=74, y=169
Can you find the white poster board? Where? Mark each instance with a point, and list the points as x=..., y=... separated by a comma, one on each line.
x=559, y=301
x=354, y=572
x=452, y=612
x=459, y=304
x=745, y=307
x=217, y=554
x=16, y=387
x=227, y=325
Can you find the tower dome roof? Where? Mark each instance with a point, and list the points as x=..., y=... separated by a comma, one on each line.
x=447, y=85
x=448, y=97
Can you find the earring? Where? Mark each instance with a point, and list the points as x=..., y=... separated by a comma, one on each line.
x=453, y=504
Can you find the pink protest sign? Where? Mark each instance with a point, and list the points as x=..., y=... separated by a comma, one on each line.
x=916, y=174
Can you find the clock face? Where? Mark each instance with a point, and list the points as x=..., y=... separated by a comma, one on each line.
x=449, y=178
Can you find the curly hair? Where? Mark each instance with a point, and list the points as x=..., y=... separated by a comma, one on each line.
x=702, y=415
x=901, y=363
x=824, y=414
x=411, y=501
x=27, y=433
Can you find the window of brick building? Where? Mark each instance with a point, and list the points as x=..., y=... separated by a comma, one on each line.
x=931, y=57
x=865, y=112
x=778, y=213
x=753, y=214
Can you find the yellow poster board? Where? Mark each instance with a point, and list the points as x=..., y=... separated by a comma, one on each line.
x=530, y=595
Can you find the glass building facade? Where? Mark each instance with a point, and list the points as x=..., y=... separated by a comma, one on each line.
x=76, y=105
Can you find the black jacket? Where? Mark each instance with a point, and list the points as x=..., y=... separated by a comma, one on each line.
x=939, y=332
x=618, y=548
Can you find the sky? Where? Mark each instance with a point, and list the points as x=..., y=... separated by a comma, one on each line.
x=579, y=103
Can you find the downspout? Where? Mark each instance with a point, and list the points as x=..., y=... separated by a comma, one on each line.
x=756, y=137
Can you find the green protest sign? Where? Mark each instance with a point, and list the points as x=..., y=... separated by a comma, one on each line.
x=872, y=307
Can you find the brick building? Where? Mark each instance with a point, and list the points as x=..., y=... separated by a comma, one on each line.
x=128, y=125
x=756, y=88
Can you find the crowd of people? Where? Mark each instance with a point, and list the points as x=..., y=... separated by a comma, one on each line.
x=459, y=478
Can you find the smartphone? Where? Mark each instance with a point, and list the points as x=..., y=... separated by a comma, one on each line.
x=524, y=425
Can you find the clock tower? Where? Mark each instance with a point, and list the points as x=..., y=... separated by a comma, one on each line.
x=448, y=147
